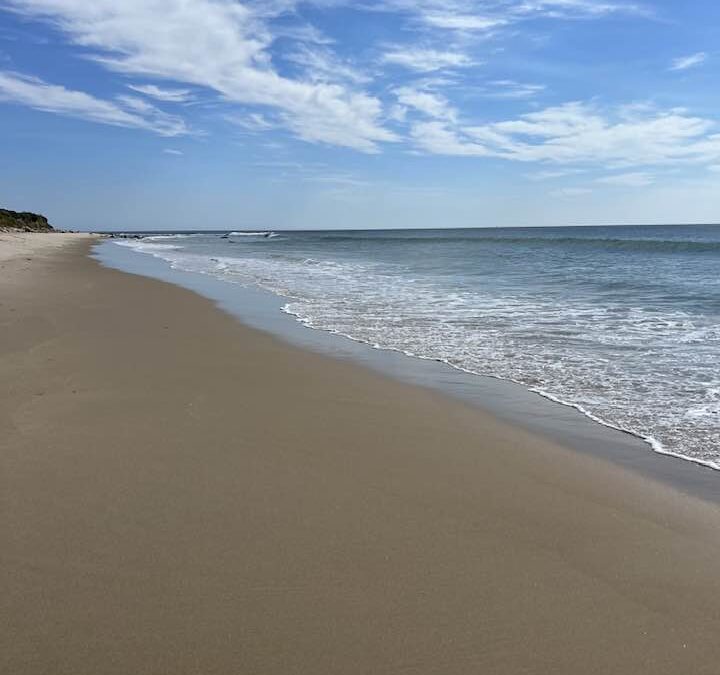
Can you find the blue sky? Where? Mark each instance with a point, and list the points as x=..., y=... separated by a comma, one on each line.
x=148, y=114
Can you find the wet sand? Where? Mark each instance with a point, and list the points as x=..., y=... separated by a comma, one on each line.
x=183, y=494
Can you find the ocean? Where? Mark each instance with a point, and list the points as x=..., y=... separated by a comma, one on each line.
x=622, y=323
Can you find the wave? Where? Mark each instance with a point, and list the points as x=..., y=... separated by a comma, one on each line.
x=669, y=245
x=141, y=245
x=174, y=236
x=269, y=235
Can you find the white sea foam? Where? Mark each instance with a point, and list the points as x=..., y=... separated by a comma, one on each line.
x=189, y=235
x=269, y=235
x=145, y=247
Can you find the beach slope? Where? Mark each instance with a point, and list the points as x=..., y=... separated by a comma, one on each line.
x=182, y=494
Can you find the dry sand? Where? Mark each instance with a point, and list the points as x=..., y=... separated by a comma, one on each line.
x=20, y=244
x=181, y=494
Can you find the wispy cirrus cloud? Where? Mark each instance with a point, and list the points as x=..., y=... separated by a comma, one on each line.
x=512, y=89
x=486, y=16
x=462, y=22
x=428, y=103
x=219, y=45
x=253, y=122
x=691, y=61
x=633, y=179
x=229, y=48
x=426, y=60
x=551, y=174
x=162, y=94
x=121, y=112
x=321, y=64
x=578, y=8
x=439, y=138
x=577, y=133
x=568, y=192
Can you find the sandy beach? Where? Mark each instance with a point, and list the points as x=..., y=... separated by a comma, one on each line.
x=183, y=494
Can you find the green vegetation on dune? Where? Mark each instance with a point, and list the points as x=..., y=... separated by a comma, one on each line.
x=24, y=221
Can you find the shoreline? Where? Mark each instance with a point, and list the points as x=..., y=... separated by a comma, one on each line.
x=651, y=442
x=510, y=401
x=183, y=493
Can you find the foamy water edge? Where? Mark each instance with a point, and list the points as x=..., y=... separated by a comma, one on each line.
x=655, y=445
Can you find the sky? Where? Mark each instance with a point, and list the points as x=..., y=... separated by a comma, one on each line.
x=280, y=114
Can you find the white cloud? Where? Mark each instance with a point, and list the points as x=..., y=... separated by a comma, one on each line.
x=171, y=151
x=551, y=174
x=576, y=133
x=337, y=179
x=570, y=192
x=217, y=44
x=322, y=65
x=488, y=16
x=462, y=22
x=512, y=89
x=167, y=95
x=685, y=62
x=634, y=179
x=437, y=138
x=122, y=112
x=398, y=113
x=425, y=60
x=578, y=8
x=253, y=122
x=432, y=105
x=230, y=47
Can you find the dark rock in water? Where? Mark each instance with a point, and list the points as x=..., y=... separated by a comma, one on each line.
x=24, y=221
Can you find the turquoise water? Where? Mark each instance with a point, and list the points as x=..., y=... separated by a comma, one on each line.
x=620, y=322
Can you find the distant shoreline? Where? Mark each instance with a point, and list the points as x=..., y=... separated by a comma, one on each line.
x=396, y=229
